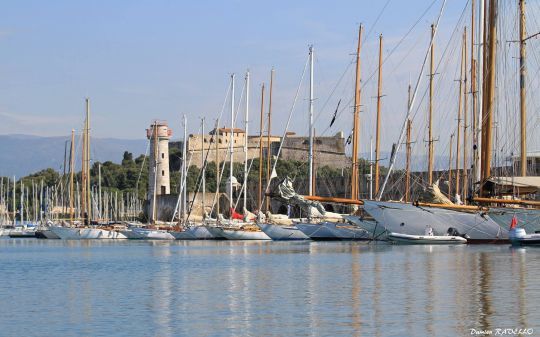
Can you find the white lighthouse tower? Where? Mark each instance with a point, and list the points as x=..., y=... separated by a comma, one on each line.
x=158, y=177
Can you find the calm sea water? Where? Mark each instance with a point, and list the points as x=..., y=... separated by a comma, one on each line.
x=227, y=288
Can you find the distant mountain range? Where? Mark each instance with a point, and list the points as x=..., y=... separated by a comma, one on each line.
x=21, y=155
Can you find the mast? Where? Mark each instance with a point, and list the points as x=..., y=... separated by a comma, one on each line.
x=99, y=190
x=203, y=168
x=489, y=80
x=356, y=118
x=460, y=98
x=310, y=120
x=154, y=194
x=378, y=136
x=88, y=196
x=259, y=195
x=480, y=76
x=83, y=176
x=71, y=173
x=371, y=168
x=268, y=145
x=246, y=124
x=522, y=93
x=430, y=126
x=184, y=171
x=450, y=166
x=217, y=169
x=408, y=151
x=231, y=150
x=465, y=189
x=474, y=107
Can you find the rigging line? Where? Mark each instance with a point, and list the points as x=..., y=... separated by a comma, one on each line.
x=368, y=80
x=286, y=126
x=376, y=20
x=398, y=145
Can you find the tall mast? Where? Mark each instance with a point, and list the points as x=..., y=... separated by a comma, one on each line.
x=480, y=77
x=408, y=151
x=310, y=120
x=83, y=175
x=460, y=97
x=465, y=189
x=474, y=106
x=356, y=118
x=203, y=169
x=522, y=97
x=231, y=150
x=184, y=171
x=154, y=194
x=71, y=173
x=408, y=168
x=487, y=126
x=268, y=145
x=378, y=136
x=450, y=166
x=430, y=126
x=246, y=124
x=259, y=195
x=88, y=196
x=217, y=169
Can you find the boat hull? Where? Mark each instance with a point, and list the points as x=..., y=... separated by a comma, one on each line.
x=68, y=233
x=46, y=234
x=147, y=234
x=412, y=220
x=216, y=232
x=347, y=232
x=240, y=234
x=282, y=232
x=425, y=239
x=317, y=232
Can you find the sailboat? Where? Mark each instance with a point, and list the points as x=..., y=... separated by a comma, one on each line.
x=88, y=231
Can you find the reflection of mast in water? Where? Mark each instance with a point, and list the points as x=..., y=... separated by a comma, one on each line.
x=356, y=291
x=409, y=299
x=430, y=293
x=162, y=291
x=522, y=302
x=485, y=299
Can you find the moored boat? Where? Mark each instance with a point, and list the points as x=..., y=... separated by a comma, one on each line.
x=282, y=232
x=425, y=239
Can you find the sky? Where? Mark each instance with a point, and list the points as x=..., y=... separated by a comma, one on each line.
x=143, y=60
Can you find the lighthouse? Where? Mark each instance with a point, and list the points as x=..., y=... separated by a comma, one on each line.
x=158, y=173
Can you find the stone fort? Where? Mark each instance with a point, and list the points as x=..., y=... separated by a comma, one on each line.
x=328, y=150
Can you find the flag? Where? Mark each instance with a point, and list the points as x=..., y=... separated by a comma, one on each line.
x=514, y=222
x=335, y=114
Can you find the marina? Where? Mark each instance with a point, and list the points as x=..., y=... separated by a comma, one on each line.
x=376, y=179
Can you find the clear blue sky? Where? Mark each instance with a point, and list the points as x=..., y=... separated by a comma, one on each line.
x=140, y=60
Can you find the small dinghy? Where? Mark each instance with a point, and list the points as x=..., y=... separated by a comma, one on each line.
x=519, y=237
x=427, y=239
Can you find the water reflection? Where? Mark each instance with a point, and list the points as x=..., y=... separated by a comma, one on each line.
x=265, y=288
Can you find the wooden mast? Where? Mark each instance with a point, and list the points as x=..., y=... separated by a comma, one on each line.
x=465, y=188
x=522, y=93
x=408, y=151
x=474, y=104
x=259, y=195
x=217, y=169
x=268, y=144
x=378, y=132
x=458, y=136
x=88, y=191
x=408, y=168
x=71, y=173
x=450, y=166
x=487, y=125
x=430, y=126
x=83, y=175
x=356, y=118
x=154, y=194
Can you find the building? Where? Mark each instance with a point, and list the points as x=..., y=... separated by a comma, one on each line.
x=328, y=151
x=158, y=173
